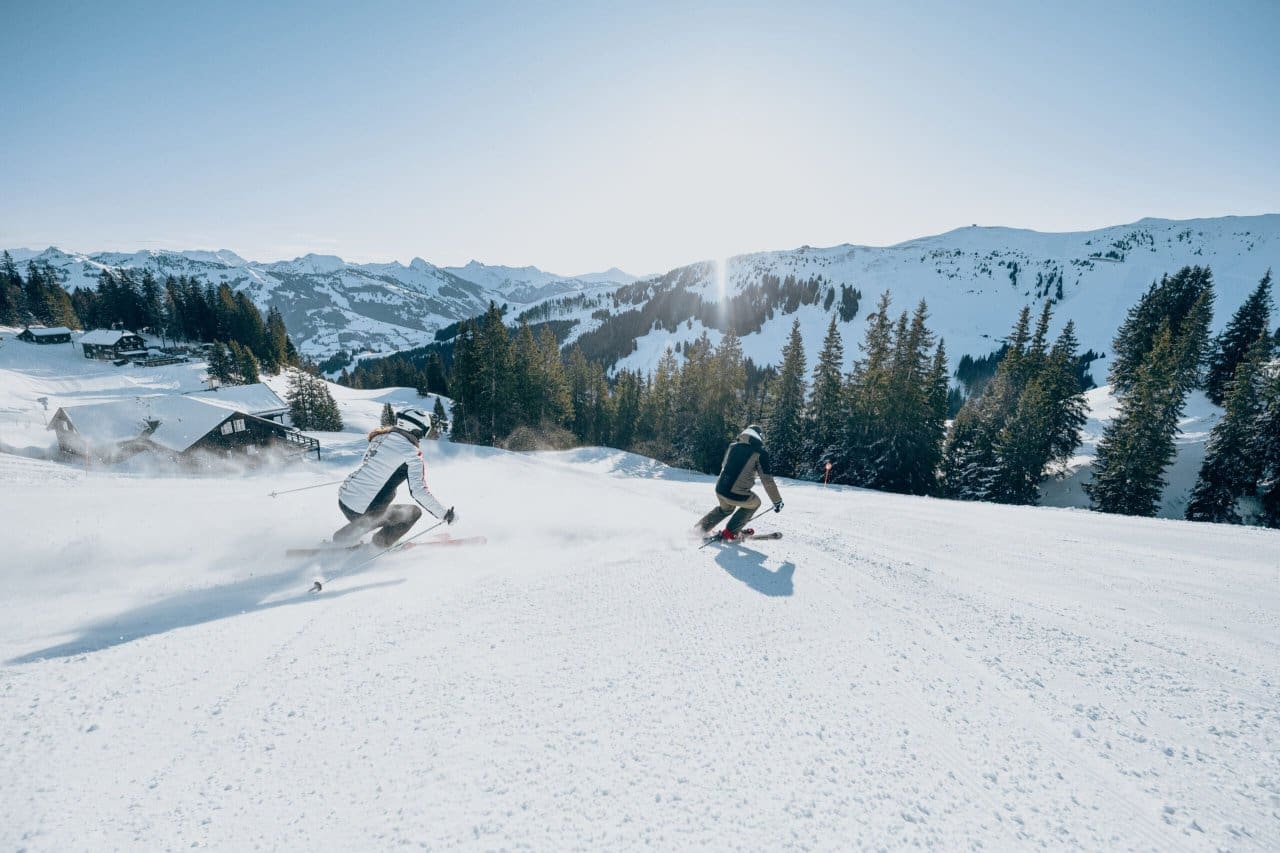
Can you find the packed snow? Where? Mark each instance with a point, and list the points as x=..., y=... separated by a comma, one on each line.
x=895, y=672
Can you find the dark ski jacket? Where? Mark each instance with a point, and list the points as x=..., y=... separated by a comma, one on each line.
x=744, y=459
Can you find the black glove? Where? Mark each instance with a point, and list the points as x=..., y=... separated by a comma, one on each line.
x=777, y=507
x=449, y=516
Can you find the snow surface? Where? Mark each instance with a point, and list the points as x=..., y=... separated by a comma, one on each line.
x=895, y=672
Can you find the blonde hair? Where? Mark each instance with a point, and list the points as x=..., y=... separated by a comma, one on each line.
x=382, y=430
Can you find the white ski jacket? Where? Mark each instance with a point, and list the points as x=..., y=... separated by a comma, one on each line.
x=392, y=458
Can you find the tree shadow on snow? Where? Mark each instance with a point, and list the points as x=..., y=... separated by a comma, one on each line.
x=747, y=565
x=185, y=609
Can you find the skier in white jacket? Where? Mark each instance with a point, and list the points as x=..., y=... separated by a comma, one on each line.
x=393, y=457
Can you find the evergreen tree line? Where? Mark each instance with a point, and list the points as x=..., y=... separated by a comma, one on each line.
x=39, y=298
x=1239, y=480
x=1163, y=351
x=180, y=308
x=1027, y=417
x=881, y=425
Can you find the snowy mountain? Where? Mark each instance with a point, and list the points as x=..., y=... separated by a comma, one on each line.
x=895, y=672
x=329, y=304
x=975, y=280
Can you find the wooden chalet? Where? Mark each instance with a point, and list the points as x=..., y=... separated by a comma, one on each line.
x=113, y=344
x=174, y=426
x=40, y=335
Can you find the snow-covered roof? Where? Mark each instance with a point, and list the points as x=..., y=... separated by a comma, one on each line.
x=256, y=399
x=183, y=420
x=55, y=330
x=104, y=337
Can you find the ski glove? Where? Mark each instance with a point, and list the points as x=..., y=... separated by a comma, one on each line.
x=777, y=507
x=450, y=516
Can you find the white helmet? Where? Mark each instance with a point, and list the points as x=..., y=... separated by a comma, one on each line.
x=414, y=420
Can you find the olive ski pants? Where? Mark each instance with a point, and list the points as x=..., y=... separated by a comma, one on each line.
x=744, y=510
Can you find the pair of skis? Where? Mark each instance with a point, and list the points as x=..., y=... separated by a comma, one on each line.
x=442, y=539
x=716, y=538
x=439, y=539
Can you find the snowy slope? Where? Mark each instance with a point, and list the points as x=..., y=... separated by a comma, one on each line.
x=897, y=671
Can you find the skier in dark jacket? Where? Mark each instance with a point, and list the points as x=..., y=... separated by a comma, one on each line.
x=393, y=458
x=744, y=459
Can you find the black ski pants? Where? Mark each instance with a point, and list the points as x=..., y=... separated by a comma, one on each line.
x=391, y=522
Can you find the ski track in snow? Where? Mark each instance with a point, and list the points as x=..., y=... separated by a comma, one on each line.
x=895, y=672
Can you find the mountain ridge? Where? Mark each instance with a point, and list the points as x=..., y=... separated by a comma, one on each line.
x=974, y=278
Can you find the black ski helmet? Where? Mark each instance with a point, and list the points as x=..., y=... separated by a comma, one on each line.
x=415, y=421
x=753, y=431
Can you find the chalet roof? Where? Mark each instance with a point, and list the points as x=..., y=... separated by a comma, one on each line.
x=182, y=420
x=256, y=399
x=104, y=337
x=55, y=330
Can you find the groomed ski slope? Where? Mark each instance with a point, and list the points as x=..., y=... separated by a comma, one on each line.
x=896, y=671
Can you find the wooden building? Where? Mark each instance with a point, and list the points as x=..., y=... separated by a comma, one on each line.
x=40, y=335
x=113, y=344
x=174, y=426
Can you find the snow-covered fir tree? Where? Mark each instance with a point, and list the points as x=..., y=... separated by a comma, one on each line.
x=1231, y=470
x=1253, y=318
x=784, y=425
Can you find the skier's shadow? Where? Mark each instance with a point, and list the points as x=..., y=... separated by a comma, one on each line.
x=184, y=609
x=747, y=565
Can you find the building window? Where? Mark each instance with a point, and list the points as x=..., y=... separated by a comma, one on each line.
x=239, y=425
x=226, y=428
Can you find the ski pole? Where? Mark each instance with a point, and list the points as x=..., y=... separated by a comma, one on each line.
x=304, y=488
x=317, y=585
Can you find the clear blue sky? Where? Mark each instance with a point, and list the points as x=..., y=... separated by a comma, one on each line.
x=579, y=136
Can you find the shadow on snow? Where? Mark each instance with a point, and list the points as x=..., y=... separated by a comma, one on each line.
x=747, y=565
x=185, y=609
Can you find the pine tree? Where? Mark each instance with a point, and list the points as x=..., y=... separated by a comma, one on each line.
x=785, y=420
x=1070, y=411
x=1230, y=469
x=1232, y=346
x=866, y=396
x=328, y=418
x=243, y=365
x=440, y=418
x=1170, y=300
x=1266, y=448
x=825, y=417
x=626, y=411
x=437, y=382
x=557, y=402
x=528, y=383
x=277, y=345
x=311, y=404
x=492, y=404
x=10, y=290
x=1137, y=446
x=388, y=416
x=221, y=366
